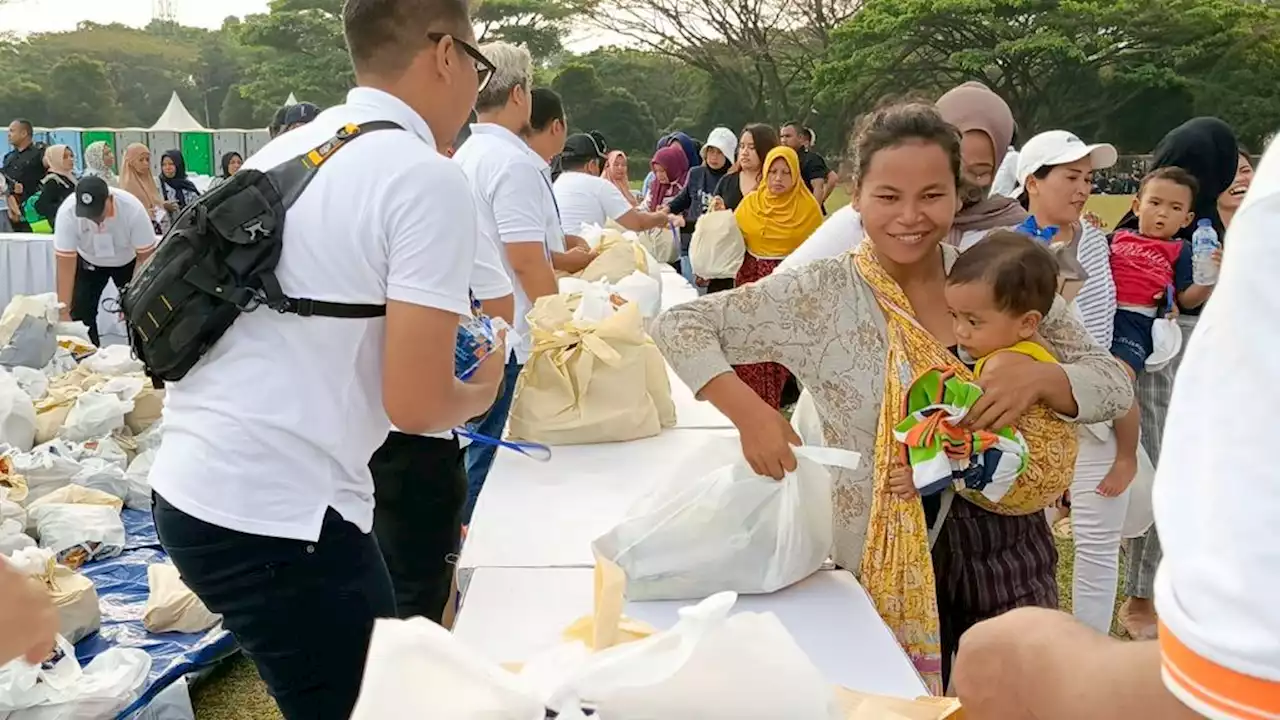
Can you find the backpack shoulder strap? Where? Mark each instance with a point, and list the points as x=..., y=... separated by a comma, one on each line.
x=291, y=178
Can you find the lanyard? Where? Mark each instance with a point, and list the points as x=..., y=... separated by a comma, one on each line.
x=531, y=450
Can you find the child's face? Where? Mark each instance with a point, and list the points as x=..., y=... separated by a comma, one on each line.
x=1163, y=208
x=982, y=328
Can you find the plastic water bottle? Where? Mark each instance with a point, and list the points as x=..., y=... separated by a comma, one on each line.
x=1204, y=241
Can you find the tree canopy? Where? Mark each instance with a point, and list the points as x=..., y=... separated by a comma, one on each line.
x=1123, y=71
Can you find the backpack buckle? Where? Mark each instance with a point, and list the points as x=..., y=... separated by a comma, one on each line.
x=256, y=231
x=302, y=307
x=247, y=299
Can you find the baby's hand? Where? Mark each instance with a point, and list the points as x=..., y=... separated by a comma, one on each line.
x=902, y=482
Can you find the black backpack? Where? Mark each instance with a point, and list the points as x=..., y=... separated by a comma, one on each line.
x=218, y=260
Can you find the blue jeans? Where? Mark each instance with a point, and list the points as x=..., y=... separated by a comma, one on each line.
x=480, y=455
x=302, y=612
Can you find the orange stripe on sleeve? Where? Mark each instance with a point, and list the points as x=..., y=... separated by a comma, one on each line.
x=62, y=253
x=1226, y=692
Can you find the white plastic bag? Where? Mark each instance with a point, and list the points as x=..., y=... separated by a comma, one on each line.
x=709, y=666
x=113, y=360
x=642, y=290
x=78, y=534
x=33, y=382
x=149, y=439
x=806, y=421
x=100, y=474
x=94, y=415
x=417, y=669
x=729, y=530
x=17, y=414
x=46, y=469
x=136, y=477
x=63, y=362
x=60, y=690
x=10, y=510
x=13, y=539
x=104, y=448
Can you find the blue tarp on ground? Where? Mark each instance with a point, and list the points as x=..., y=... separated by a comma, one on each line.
x=122, y=593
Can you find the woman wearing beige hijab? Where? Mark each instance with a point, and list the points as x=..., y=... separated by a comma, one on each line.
x=58, y=185
x=137, y=180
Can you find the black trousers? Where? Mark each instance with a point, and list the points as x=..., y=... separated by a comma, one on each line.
x=302, y=612
x=91, y=280
x=420, y=484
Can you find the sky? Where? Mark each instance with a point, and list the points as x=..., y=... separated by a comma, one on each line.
x=24, y=16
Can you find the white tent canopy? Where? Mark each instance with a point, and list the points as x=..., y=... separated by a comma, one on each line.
x=293, y=100
x=176, y=118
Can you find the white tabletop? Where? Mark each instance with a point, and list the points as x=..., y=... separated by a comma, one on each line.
x=512, y=614
x=534, y=514
x=691, y=412
x=675, y=289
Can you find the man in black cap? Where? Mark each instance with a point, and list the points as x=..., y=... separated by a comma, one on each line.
x=101, y=234
x=301, y=114
x=585, y=198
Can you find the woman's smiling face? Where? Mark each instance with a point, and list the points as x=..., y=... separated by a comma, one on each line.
x=907, y=199
x=1231, y=199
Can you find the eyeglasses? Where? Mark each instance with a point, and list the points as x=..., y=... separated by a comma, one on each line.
x=484, y=66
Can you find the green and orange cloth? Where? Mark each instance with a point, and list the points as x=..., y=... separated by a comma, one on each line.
x=944, y=454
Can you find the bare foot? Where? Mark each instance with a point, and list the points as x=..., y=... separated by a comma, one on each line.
x=1138, y=618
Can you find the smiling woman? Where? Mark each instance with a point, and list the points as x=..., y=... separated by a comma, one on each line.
x=855, y=330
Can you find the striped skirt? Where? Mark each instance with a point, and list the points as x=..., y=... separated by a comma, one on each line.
x=986, y=565
x=767, y=379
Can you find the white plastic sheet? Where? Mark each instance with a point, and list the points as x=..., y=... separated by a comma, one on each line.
x=729, y=530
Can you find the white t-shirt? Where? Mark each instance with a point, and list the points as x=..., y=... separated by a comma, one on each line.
x=1217, y=489
x=277, y=423
x=114, y=243
x=586, y=199
x=514, y=201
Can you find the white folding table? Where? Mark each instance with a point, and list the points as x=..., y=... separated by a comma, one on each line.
x=510, y=615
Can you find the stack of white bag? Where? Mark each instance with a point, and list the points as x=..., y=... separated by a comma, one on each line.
x=59, y=689
x=709, y=666
x=729, y=530
x=72, y=594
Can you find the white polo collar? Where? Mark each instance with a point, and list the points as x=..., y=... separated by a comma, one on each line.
x=393, y=109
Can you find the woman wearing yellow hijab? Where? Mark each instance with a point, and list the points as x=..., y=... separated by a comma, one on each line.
x=774, y=219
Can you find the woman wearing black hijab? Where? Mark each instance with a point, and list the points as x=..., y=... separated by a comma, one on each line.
x=1206, y=147
x=231, y=163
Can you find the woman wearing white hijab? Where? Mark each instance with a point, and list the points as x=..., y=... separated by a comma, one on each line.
x=100, y=161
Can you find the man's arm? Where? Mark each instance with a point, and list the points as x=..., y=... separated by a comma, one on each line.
x=528, y=261
x=1043, y=664
x=429, y=271
x=65, y=251
x=639, y=220
x=66, y=273
x=828, y=186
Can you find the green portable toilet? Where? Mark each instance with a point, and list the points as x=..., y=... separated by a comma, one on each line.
x=106, y=135
x=197, y=150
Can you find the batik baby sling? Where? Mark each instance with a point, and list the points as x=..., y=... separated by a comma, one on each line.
x=896, y=567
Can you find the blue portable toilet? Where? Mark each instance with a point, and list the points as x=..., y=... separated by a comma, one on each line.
x=71, y=138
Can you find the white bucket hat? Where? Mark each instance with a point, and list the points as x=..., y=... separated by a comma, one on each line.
x=1166, y=342
x=1059, y=147
x=723, y=139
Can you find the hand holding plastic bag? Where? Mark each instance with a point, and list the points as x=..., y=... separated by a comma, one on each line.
x=729, y=530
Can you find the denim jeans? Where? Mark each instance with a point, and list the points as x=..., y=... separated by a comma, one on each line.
x=302, y=612
x=420, y=486
x=480, y=455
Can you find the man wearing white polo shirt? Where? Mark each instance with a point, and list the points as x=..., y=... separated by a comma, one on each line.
x=102, y=234
x=585, y=198
x=263, y=496
x=517, y=213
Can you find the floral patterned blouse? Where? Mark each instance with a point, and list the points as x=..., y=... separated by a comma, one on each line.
x=822, y=322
